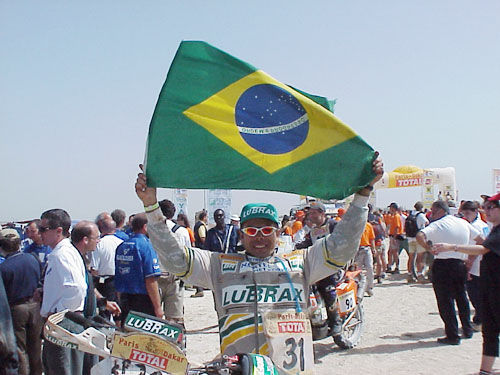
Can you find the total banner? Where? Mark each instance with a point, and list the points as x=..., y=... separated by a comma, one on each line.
x=436, y=183
x=405, y=176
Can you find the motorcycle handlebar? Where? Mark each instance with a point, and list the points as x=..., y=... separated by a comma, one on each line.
x=96, y=322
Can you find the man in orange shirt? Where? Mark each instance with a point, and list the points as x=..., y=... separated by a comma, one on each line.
x=340, y=213
x=364, y=256
x=395, y=230
x=297, y=224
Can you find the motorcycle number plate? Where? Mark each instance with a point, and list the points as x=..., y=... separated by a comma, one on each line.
x=289, y=338
x=347, y=301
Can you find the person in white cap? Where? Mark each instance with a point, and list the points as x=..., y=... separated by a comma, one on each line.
x=235, y=220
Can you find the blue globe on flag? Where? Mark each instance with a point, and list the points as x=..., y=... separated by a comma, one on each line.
x=271, y=120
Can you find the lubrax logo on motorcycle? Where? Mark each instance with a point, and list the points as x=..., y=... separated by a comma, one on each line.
x=60, y=342
x=236, y=294
x=152, y=326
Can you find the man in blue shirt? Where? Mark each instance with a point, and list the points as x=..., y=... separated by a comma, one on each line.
x=8, y=348
x=37, y=248
x=222, y=238
x=136, y=272
x=119, y=218
x=21, y=276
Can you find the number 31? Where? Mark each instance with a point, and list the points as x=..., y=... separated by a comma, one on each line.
x=293, y=356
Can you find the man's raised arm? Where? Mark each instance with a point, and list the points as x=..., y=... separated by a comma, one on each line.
x=343, y=243
x=171, y=254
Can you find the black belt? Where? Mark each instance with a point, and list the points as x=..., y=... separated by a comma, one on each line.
x=106, y=279
x=453, y=260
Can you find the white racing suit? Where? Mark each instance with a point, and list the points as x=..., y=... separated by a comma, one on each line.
x=245, y=286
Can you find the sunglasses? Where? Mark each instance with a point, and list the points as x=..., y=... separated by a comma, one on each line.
x=490, y=207
x=252, y=231
x=45, y=229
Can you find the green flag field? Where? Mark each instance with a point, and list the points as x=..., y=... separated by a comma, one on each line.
x=220, y=123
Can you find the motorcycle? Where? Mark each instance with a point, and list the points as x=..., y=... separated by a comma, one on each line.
x=145, y=345
x=341, y=314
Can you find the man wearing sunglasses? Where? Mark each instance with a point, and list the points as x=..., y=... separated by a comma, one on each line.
x=248, y=287
x=68, y=285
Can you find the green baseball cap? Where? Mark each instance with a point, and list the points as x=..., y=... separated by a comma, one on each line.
x=259, y=211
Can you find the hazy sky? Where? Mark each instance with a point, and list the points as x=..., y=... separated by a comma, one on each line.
x=419, y=81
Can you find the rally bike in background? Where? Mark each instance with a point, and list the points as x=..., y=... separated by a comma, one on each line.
x=145, y=346
x=339, y=311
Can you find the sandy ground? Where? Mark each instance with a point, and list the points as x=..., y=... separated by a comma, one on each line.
x=402, y=325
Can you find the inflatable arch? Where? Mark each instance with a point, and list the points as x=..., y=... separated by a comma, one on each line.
x=436, y=183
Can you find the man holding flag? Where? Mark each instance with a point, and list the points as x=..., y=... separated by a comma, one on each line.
x=249, y=287
x=257, y=133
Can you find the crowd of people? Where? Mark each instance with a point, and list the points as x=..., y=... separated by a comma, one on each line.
x=106, y=267
x=443, y=247
x=110, y=267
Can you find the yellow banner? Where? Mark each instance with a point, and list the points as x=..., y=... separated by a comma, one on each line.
x=404, y=180
x=151, y=351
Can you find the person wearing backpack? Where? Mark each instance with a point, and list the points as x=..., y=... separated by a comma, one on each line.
x=413, y=224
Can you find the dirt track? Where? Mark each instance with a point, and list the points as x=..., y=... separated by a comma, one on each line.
x=402, y=325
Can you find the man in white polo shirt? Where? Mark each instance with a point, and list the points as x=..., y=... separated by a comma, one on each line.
x=65, y=284
x=102, y=260
x=449, y=272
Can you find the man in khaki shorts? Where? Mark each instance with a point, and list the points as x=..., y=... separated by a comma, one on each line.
x=414, y=223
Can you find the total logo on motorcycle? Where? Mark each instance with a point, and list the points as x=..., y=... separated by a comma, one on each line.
x=149, y=359
x=292, y=327
x=150, y=350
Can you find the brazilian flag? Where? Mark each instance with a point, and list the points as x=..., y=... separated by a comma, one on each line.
x=220, y=123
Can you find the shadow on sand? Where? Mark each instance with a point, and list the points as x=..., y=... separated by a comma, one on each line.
x=414, y=341
x=203, y=331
